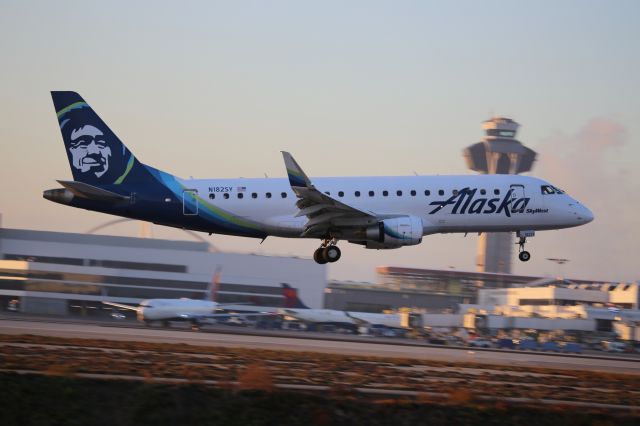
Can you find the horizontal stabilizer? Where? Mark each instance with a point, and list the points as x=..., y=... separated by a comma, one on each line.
x=84, y=190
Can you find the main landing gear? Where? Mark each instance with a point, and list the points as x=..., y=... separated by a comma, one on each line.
x=327, y=252
x=522, y=240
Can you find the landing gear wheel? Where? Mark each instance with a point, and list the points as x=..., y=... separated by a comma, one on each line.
x=318, y=256
x=331, y=254
x=524, y=256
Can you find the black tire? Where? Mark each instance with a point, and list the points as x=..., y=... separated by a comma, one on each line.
x=524, y=256
x=318, y=256
x=331, y=254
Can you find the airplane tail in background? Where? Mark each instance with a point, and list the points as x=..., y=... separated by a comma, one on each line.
x=96, y=155
x=214, y=288
x=291, y=299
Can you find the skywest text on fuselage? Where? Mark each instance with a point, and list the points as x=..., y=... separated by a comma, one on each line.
x=464, y=202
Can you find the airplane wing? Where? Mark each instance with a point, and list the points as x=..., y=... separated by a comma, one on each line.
x=191, y=316
x=122, y=306
x=322, y=210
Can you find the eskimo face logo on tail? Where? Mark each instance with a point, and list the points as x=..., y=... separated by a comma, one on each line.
x=465, y=202
x=95, y=153
x=89, y=150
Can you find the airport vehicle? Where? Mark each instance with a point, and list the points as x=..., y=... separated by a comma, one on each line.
x=550, y=346
x=376, y=212
x=528, y=344
x=480, y=343
x=617, y=347
x=572, y=347
x=505, y=344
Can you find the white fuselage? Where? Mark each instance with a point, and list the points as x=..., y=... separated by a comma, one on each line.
x=174, y=309
x=271, y=204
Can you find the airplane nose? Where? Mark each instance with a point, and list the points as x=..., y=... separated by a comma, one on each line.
x=583, y=214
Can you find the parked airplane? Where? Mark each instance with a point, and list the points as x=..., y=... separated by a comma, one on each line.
x=376, y=212
x=346, y=319
x=184, y=309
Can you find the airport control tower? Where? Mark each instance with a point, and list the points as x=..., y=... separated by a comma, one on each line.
x=498, y=153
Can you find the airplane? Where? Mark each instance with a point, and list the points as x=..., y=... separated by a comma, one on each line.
x=185, y=309
x=376, y=212
x=350, y=320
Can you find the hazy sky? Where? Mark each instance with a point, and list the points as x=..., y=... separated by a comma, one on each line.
x=217, y=89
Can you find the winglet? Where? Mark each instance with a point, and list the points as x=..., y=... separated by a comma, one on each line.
x=297, y=178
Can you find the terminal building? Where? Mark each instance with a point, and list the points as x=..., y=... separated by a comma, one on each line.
x=433, y=290
x=64, y=273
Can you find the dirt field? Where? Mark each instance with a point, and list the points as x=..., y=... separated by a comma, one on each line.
x=369, y=379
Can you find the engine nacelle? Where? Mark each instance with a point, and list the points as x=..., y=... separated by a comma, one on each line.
x=394, y=233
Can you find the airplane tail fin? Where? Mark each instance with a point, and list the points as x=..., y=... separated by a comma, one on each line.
x=96, y=155
x=291, y=299
x=214, y=287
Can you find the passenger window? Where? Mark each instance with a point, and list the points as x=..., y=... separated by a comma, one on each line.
x=327, y=192
x=440, y=192
x=340, y=194
x=455, y=192
x=399, y=193
x=413, y=192
x=283, y=194
x=212, y=196
x=226, y=195
x=547, y=189
x=385, y=193
x=240, y=195
x=268, y=195
x=357, y=193
x=254, y=195
x=427, y=192
x=496, y=191
x=483, y=191
x=371, y=193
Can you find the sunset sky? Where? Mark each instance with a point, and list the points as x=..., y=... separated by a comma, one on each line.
x=218, y=89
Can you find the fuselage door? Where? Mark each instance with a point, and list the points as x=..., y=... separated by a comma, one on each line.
x=517, y=192
x=190, y=202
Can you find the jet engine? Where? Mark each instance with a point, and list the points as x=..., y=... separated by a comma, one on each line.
x=394, y=233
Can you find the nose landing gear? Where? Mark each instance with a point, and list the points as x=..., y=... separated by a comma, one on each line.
x=524, y=255
x=327, y=252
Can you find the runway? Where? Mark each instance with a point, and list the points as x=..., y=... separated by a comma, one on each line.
x=352, y=347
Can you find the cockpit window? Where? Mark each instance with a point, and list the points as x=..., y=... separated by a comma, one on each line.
x=558, y=190
x=547, y=189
